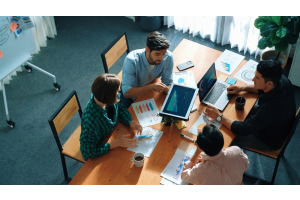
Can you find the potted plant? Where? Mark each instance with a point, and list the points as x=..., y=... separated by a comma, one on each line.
x=167, y=120
x=278, y=32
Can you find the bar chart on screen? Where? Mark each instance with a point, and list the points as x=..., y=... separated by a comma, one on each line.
x=146, y=112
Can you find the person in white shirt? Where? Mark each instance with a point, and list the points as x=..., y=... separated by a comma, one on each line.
x=215, y=165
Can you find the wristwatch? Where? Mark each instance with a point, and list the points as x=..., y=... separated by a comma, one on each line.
x=219, y=117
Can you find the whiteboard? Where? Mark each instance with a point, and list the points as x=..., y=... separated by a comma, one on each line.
x=15, y=50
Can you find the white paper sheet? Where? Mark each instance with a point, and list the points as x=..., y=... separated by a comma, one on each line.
x=184, y=78
x=201, y=122
x=247, y=72
x=147, y=145
x=165, y=181
x=146, y=112
x=228, y=61
x=174, y=168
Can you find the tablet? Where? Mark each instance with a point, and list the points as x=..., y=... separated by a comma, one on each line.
x=179, y=101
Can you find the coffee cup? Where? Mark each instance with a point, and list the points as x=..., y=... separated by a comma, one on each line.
x=138, y=159
x=240, y=103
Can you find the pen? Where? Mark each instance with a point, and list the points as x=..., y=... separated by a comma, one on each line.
x=187, y=137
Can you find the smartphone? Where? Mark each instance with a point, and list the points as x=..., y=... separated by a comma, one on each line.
x=185, y=65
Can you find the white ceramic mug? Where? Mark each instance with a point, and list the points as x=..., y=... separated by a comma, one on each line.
x=138, y=163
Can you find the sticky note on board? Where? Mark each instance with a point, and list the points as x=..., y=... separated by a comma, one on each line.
x=231, y=80
x=1, y=54
x=13, y=26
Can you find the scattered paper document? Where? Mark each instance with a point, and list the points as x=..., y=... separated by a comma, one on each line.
x=165, y=181
x=147, y=141
x=201, y=122
x=228, y=62
x=184, y=78
x=247, y=72
x=146, y=112
x=173, y=170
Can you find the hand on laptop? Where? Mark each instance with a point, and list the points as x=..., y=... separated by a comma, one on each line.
x=233, y=89
x=211, y=112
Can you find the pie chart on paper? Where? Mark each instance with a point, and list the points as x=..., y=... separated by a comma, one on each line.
x=248, y=75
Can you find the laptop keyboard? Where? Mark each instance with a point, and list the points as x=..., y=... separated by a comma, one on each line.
x=215, y=93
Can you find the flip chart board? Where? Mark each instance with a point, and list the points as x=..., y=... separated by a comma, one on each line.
x=15, y=50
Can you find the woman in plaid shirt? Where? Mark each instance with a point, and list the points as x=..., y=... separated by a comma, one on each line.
x=100, y=116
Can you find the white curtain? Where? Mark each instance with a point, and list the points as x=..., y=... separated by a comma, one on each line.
x=44, y=26
x=237, y=31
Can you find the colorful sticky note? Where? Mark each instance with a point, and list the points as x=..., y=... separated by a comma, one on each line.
x=13, y=26
x=1, y=54
x=231, y=80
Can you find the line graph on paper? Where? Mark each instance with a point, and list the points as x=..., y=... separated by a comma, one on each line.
x=179, y=168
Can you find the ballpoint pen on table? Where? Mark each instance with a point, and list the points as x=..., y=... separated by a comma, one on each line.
x=187, y=137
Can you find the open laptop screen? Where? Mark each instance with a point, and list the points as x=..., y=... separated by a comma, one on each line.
x=179, y=101
x=207, y=82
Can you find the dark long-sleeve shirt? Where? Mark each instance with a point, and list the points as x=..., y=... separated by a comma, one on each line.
x=96, y=125
x=274, y=116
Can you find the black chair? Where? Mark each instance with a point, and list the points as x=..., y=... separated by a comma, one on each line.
x=114, y=51
x=276, y=154
x=58, y=121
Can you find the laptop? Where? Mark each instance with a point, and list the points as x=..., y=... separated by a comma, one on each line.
x=213, y=91
x=179, y=101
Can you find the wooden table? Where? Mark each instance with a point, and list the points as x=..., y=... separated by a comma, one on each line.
x=116, y=168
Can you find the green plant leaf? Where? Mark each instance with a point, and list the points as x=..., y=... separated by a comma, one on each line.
x=281, y=32
x=264, y=43
x=266, y=30
x=285, y=20
x=259, y=20
x=277, y=20
x=260, y=25
x=281, y=46
x=273, y=38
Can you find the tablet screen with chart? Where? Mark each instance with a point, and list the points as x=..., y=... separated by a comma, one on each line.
x=179, y=101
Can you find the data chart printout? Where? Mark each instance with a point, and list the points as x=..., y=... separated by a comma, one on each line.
x=174, y=168
x=184, y=78
x=228, y=62
x=146, y=112
x=147, y=141
x=247, y=72
x=201, y=122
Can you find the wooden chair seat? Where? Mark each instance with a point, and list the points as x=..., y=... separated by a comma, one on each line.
x=72, y=146
x=58, y=121
x=114, y=51
x=272, y=153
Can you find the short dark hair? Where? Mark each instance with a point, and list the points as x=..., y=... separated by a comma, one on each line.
x=157, y=41
x=270, y=70
x=211, y=140
x=105, y=87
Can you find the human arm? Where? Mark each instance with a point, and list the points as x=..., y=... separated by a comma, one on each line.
x=167, y=75
x=123, y=141
x=138, y=91
x=125, y=117
x=213, y=113
x=234, y=89
x=195, y=157
x=189, y=172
